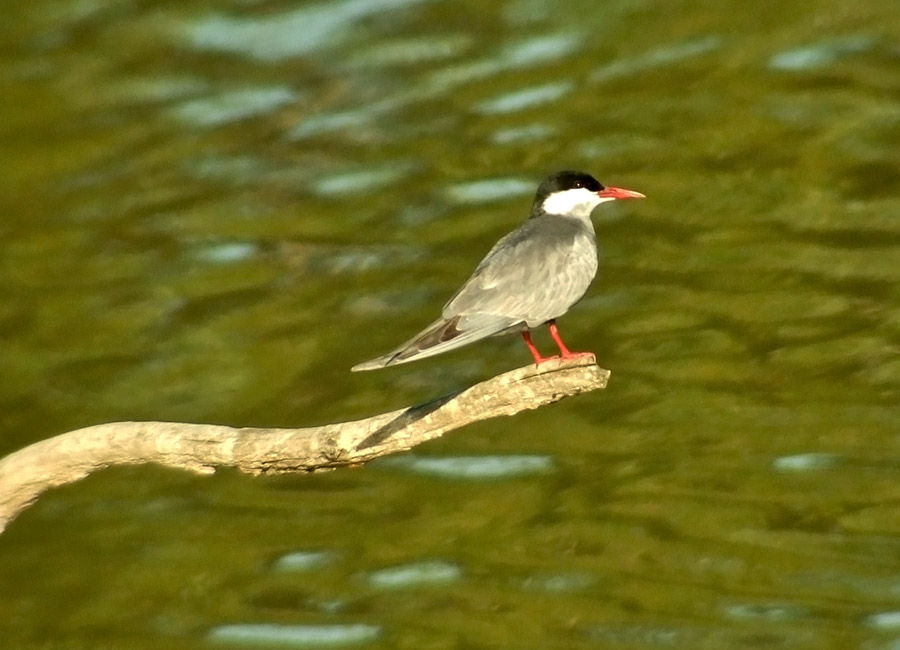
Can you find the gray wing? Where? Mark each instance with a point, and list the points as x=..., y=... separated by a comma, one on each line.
x=441, y=336
x=534, y=274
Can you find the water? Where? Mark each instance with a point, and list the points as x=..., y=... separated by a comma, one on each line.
x=210, y=213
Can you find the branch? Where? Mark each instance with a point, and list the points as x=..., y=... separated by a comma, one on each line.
x=68, y=457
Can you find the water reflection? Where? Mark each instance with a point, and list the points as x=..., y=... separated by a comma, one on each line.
x=290, y=34
x=233, y=106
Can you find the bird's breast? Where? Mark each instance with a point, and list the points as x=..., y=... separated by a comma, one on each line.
x=564, y=277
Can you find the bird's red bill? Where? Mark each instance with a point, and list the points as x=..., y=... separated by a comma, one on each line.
x=619, y=193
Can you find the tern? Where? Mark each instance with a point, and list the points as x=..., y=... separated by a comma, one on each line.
x=531, y=277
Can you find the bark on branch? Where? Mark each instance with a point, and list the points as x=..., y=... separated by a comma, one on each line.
x=68, y=457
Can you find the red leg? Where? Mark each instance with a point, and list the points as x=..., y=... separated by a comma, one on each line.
x=538, y=359
x=565, y=353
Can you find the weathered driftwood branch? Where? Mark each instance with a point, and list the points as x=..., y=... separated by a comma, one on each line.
x=68, y=457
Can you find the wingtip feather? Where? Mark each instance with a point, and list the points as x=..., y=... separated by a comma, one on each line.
x=372, y=364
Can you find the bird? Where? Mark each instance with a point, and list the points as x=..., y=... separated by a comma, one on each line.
x=531, y=276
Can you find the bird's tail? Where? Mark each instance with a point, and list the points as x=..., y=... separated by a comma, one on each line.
x=441, y=336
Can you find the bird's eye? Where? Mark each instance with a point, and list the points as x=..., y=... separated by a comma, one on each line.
x=579, y=184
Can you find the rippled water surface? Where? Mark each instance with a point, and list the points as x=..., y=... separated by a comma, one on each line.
x=210, y=211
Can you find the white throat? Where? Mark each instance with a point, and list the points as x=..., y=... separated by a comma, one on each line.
x=578, y=202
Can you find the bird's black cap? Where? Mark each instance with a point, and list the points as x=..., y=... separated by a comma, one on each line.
x=566, y=180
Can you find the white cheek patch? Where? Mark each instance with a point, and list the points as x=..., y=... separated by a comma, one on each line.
x=578, y=202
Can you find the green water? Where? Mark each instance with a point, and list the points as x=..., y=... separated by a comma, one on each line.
x=210, y=212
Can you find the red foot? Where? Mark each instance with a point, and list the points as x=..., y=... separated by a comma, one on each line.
x=577, y=355
x=538, y=359
x=565, y=353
